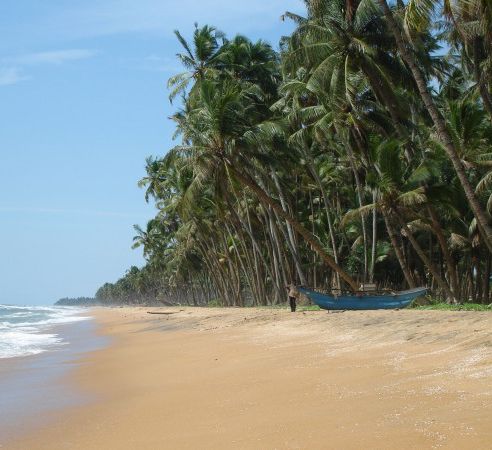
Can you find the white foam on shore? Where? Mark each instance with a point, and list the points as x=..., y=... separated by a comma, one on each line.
x=26, y=330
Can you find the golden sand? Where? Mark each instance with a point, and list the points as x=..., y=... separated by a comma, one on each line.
x=269, y=379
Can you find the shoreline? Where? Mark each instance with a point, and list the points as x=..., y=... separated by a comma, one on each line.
x=36, y=387
x=256, y=378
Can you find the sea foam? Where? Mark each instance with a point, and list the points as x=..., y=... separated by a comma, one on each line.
x=28, y=330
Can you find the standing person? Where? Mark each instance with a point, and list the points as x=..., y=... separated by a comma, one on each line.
x=293, y=296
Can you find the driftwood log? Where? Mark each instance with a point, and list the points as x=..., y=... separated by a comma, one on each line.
x=164, y=312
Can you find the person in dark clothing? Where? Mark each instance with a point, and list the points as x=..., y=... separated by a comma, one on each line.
x=293, y=296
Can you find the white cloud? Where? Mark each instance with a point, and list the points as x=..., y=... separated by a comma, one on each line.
x=85, y=212
x=93, y=18
x=120, y=16
x=11, y=75
x=11, y=72
x=52, y=57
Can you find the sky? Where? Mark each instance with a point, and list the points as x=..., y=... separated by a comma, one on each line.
x=83, y=102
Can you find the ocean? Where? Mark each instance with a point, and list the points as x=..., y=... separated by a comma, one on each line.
x=29, y=330
x=39, y=347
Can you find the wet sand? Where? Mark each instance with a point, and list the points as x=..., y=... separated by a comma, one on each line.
x=269, y=379
x=33, y=389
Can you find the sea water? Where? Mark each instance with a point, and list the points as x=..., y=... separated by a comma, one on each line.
x=28, y=330
x=39, y=346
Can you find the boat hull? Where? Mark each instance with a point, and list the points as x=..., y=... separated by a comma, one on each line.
x=362, y=302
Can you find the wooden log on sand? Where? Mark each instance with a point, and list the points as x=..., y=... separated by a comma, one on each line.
x=164, y=312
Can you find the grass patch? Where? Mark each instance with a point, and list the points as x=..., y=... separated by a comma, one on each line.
x=309, y=308
x=281, y=306
x=284, y=306
x=446, y=307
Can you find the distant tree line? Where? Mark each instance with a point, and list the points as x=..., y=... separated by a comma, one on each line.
x=148, y=286
x=79, y=301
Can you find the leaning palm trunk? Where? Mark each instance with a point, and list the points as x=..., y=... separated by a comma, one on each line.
x=451, y=266
x=439, y=122
x=361, y=204
x=398, y=252
x=328, y=217
x=427, y=262
x=291, y=241
x=481, y=78
x=278, y=253
x=259, y=255
x=374, y=238
x=215, y=272
x=486, y=280
x=257, y=251
x=306, y=234
x=243, y=260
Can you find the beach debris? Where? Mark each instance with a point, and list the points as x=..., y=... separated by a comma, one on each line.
x=164, y=312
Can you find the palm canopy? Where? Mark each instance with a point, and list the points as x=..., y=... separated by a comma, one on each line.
x=198, y=59
x=358, y=153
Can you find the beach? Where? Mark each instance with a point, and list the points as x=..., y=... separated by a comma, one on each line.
x=39, y=347
x=214, y=378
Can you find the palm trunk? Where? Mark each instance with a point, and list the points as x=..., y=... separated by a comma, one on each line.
x=407, y=273
x=358, y=186
x=315, y=284
x=291, y=241
x=216, y=275
x=451, y=266
x=258, y=254
x=374, y=238
x=480, y=78
x=439, y=122
x=306, y=234
x=328, y=217
x=430, y=265
x=278, y=249
x=472, y=281
x=248, y=228
x=486, y=280
x=243, y=260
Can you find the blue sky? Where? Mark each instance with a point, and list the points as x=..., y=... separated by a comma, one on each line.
x=82, y=103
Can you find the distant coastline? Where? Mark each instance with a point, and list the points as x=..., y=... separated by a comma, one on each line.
x=82, y=302
x=78, y=301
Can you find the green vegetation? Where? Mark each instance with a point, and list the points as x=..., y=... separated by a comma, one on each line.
x=462, y=307
x=309, y=308
x=78, y=301
x=360, y=152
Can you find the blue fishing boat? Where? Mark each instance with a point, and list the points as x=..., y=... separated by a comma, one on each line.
x=364, y=300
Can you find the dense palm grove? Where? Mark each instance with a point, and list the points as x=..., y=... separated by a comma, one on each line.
x=358, y=153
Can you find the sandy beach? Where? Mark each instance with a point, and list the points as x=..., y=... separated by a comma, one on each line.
x=269, y=379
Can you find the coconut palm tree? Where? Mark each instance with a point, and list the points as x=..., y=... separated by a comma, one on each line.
x=404, y=46
x=350, y=155
x=198, y=59
x=219, y=150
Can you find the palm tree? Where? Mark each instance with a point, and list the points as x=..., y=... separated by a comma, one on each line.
x=199, y=59
x=331, y=161
x=404, y=47
x=218, y=149
x=347, y=49
x=399, y=194
x=469, y=32
x=251, y=62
